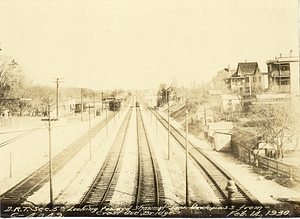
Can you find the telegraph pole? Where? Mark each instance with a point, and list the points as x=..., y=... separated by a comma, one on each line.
x=168, y=124
x=94, y=104
x=186, y=158
x=81, y=104
x=114, y=114
x=204, y=100
x=156, y=119
x=90, y=131
x=102, y=101
x=106, y=122
x=57, y=83
x=50, y=152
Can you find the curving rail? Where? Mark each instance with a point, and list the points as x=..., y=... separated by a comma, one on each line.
x=215, y=175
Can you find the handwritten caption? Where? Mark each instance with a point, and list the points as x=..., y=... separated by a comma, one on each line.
x=163, y=211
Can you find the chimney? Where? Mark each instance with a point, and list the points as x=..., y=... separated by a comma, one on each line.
x=246, y=60
x=291, y=53
x=280, y=55
x=228, y=68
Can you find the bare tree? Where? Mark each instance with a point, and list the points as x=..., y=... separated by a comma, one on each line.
x=273, y=121
x=161, y=95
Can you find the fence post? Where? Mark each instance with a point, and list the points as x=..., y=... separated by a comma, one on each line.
x=10, y=165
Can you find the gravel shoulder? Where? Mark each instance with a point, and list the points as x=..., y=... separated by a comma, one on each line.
x=266, y=191
x=71, y=183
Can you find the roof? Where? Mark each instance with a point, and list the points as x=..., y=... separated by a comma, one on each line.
x=230, y=97
x=222, y=74
x=245, y=68
x=220, y=126
x=244, y=138
x=283, y=60
x=272, y=96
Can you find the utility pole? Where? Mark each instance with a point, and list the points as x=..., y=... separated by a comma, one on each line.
x=114, y=114
x=90, y=140
x=102, y=101
x=10, y=165
x=168, y=93
x=81, y=104
x=279, y=70
x=57, y=83
x=204, y=100
x=250, y=88
x=50, y=153
x=94, y=104
x=186, y=158
x=106, y=122
x=156, y=119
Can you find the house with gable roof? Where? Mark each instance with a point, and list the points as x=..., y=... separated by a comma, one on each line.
x=247, y=79
x=219, y=81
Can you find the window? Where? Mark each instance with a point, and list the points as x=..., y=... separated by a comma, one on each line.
x=259, y=79
x=284, y=67
x=270, y=68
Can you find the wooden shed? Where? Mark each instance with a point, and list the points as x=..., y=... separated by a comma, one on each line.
x=243, y=144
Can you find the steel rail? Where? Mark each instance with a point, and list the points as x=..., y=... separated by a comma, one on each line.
x=137, y=197
x=101, y=173
x=39, y=177
x=27, y=132
x=219, y=191
x=155, y=175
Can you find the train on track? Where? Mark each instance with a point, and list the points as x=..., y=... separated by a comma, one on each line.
x=78, y=107
x=115, y=105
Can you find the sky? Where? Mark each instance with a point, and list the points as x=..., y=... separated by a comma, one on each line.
x=138, y=44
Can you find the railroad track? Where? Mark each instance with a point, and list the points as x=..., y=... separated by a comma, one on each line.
x=147, y=193
x=101, y=190
x=214, y=174
x=25, y=188
x=179, y=112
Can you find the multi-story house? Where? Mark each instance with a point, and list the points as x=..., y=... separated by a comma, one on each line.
x=219, y=81
x=247, y=79
x=283, y=74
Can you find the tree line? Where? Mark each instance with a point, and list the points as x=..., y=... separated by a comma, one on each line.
x=20, y=96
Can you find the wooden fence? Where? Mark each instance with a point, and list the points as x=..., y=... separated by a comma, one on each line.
x=291, y=171
x=22, y=121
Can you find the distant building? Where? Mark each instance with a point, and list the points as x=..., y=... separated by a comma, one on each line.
x=265, y=81
x=247, y=79
x=243, y=144
x=230, y=102
x=219, y=82
x=219, y=136
x=283, y=74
